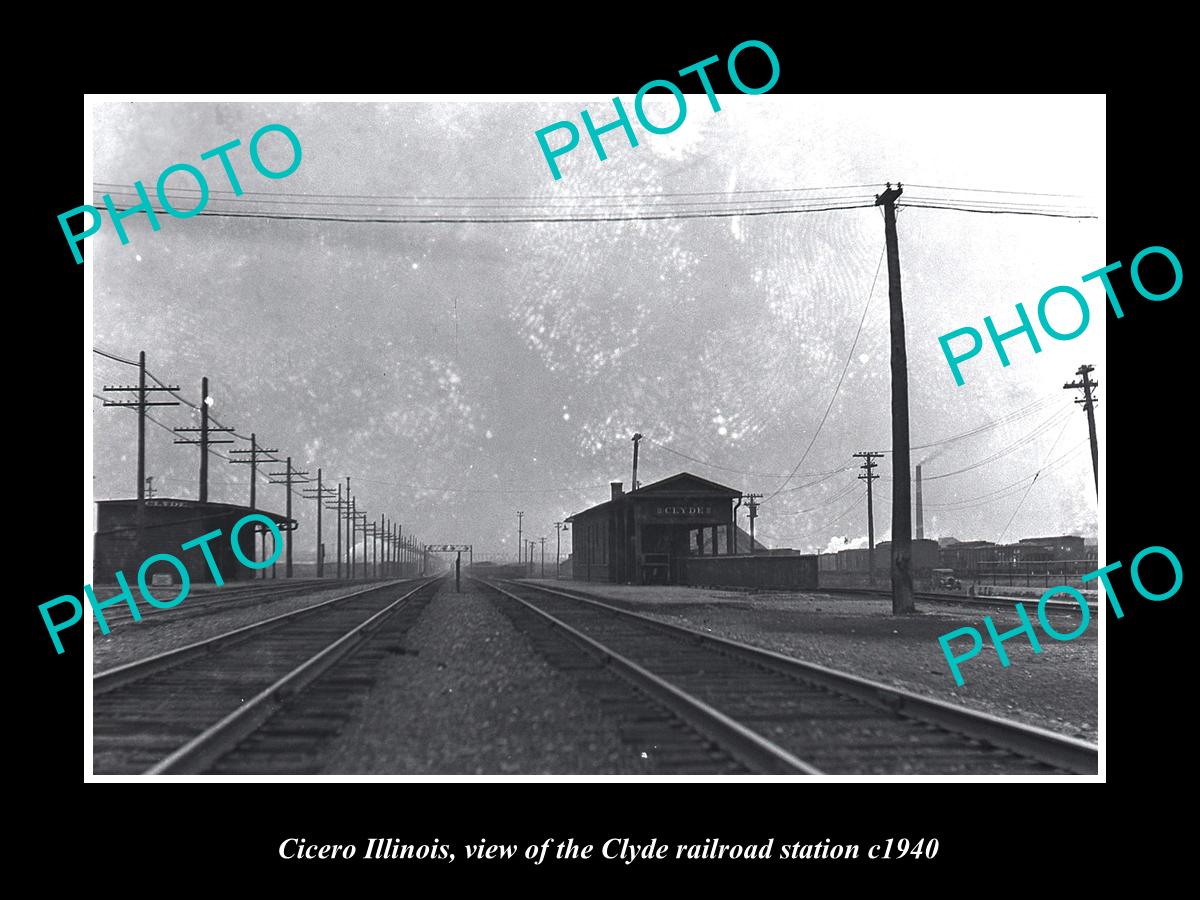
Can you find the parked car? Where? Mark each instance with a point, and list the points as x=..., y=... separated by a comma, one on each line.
x=944, y=579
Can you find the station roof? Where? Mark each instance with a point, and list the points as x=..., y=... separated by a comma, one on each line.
x=683, y=484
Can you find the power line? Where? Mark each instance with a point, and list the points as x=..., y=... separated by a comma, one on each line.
x=998, y=493
x=1012, y=212
x=840, y=187
x=841, y=378
x=840, y=516
x=1013, y=416
x=1014, y=204
x=121, y=359
x=1020, y=442
x=300, y=200
x=1000, y=540
x=712, y=465
x=477, y=220
x=938, y=187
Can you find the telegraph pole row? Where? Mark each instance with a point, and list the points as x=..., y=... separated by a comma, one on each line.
x=288, y=475
x=320, y=494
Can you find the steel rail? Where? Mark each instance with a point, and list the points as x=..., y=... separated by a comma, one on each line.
x=110, y=679
x=1041, y=744
x=951, y=599
x=747, y=746
x=218, y=600
x=218, y=739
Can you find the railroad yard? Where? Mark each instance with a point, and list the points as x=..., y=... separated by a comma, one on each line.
x=530, y=676
x=700, y=479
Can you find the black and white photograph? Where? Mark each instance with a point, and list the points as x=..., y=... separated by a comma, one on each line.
x=543, y=437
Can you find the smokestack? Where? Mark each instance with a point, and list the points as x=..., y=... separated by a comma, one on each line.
x=920, y=517
x=616, y=489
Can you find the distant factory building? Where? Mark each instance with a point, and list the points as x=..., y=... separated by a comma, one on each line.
x=168, y=524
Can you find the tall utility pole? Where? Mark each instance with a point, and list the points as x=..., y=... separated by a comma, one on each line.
x=204, y=440
x=363, y=529
x=338, y=506
x=543, y=543
x=255, y=452
x=140, y=404
x=395, y=541
x=752, y=505
x=637, y=439
x=319, y=494
x=349, y=510
x=377, y=550
x=520, y=544
x=387, y=545
x=373, y=534
x=868, y=465
x=289, y=473
x=1089, y=404
x=559, y=528
x=902, y=585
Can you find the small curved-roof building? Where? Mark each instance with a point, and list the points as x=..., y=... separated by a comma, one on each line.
x=169, y=523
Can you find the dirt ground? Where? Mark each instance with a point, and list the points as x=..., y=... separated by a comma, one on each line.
x=1056, y=689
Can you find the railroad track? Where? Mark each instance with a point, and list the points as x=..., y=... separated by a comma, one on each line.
x=190, y=709
x=779, y=715
x=961, y=600
x=210, y=601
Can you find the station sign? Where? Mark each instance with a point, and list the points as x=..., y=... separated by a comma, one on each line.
x=448, y=548
x=686, y=512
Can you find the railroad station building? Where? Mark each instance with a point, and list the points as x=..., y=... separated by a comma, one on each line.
x=680, y=530
x=169, y=523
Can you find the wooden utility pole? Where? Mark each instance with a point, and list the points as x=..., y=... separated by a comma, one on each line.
x=288, y=474
x=140, y=404
x=349, y=531
x=338, y=506
x=255, y=452
x=204, y=440
x=543, y=543
x=637, y=439
x=320, y=494
x=752, y=506
x=559, y=528
x=1089, y=404
x=870, y=464
x=902, y=585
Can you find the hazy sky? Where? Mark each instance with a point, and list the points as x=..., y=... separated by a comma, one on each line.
x=460, y=372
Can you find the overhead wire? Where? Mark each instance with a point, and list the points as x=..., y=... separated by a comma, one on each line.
x=1000, y=540
x=841, y=378
x=552, y=219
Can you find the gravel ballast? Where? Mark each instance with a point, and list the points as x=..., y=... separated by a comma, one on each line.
x=471, y=696
x=1056, y=689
